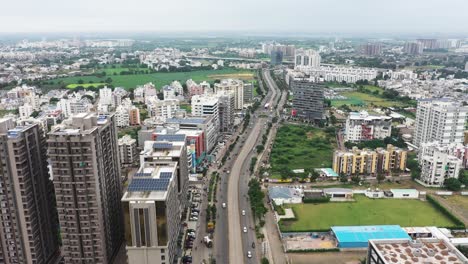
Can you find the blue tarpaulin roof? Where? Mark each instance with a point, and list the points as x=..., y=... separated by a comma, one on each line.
x=358, y=236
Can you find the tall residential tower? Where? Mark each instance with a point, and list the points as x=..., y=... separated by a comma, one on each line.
x=84, y=158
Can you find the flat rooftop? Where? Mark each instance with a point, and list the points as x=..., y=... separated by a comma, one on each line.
x=421, y=251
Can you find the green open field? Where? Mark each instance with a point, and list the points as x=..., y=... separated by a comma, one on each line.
x=301, y=147
x=365, y=211
x=85, y=85
x=364, y=100
x=159, y=79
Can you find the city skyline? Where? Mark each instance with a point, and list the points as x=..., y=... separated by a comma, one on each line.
x=422, y=17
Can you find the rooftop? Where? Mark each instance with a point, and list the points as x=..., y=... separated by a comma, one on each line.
x=358, y=236
x=278, y=192
x=421, y=251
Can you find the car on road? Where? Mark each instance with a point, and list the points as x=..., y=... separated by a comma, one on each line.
x=193, y=218
x=224, y=205
x=249, y=254
x=245, y=229
x=243, y=212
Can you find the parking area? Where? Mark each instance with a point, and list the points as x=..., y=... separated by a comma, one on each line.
x=192, y=217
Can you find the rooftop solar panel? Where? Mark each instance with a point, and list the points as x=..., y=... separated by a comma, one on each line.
x=171, y=138
x=147, y=185
x=162, y=145
x=165, y=175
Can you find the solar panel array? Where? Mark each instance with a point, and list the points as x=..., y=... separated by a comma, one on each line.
x=162, y=145
x=165, y=175
x=147, y=185
x=142, y=174
x=171, y=138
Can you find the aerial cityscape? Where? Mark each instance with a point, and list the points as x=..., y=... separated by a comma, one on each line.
x=217, y=132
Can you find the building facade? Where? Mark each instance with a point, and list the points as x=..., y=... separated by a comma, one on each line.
x=84, y=161
x=29, y=232
x=370, y=162
x=441, y=120
x=151, y=215
x=306, y=59
x=127, y=151
x=361, y=126
x=308, y=100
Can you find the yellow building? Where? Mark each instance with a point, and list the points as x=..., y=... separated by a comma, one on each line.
x=370, y=162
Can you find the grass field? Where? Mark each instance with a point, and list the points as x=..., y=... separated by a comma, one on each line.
x=364, y=100
x=365, y=211
x=301, y=147
x=159, y=79
x=85, y=85
x=457, y=203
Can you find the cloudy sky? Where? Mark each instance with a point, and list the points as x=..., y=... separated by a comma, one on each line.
x=319, y=16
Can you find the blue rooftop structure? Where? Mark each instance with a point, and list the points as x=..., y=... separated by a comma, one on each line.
x=148, y=185
x=171, y=138
x=358, y=236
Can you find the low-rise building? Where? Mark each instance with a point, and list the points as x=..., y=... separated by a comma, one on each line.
x=370, y=162
x=362, y=126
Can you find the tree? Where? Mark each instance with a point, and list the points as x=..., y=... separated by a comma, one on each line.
x=265, y=261
x=80, y=81
x=453, y=184
x=463, y=178
x=356, y=179
x=260, y=148
x=314, y=175
x=343, y=177
x=380, y=177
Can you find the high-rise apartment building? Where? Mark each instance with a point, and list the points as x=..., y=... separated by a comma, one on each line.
x=276, y=57
x=371, y=49
x=306, y=59
x=226, y=111
x=441, y=120
x=29, y=224
x=248, y=93
x=127, y=151
x=235, y=86
x=361, y=126
x=84, y=159
x=152, y=216
x=429, y=44
x=308, y=100
x=413, y=48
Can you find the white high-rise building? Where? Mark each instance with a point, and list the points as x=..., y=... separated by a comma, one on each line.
x=168, y=92
x=105, y=96
x=441, y=120
x=307, y=59
x=235, y=86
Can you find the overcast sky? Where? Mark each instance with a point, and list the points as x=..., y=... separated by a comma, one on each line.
x=333, y=16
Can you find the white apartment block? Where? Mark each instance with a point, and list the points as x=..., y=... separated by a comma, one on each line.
x=163, y=108
x=127, y=151
x=453, y=149
x=361, y=126
x=25, y=111
x=235, y=86
x=122, y=117
x=168, y=92
x=306, y=59
x=206, y=87
x=441, y=120
x=438, y=167
x=339, y=74
x=177, y=87
x=105, y=96
x=203, y=105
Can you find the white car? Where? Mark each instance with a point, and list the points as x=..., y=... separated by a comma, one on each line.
x=224, y=205
x=243, y=212
x=245, y=229
x=193, y=218
x=249, y=254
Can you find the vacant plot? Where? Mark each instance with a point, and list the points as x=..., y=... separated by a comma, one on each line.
x=365, y=211
x=159, y=79
x=301, y=147
x=456, y=203
x=85, y=85
x=241, y=76
x=364, y=100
